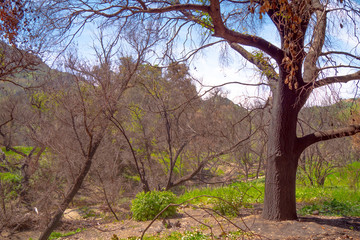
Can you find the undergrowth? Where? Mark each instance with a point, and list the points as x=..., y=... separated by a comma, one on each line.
x=227, y=200
x=338, y=196
x=56, y=235
x=332, y=207
x=146, y=206
x=189, y=235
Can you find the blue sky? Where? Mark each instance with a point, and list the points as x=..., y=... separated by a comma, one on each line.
x=210, y=69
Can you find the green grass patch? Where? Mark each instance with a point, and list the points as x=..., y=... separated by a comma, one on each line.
x=88, y=212
x=331, y=199
x=22, y=149
x=320, y=194
x=333, y=208
x=249, y=192
x=187, y=235
x=56, y=235
x=227, y=200
x=339, y=195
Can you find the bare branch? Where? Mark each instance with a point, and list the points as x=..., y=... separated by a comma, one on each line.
x=206, y=160
x=262, y=64
x=310, y=69
x=220, y=30
x=340, y=53
x=315, y=137
x=337, y=79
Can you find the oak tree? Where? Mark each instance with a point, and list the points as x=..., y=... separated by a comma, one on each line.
x=300, y=61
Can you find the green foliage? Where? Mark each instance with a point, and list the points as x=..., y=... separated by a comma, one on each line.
x=325, y=199
x=230, y=203
x=228, y=200
x=56, y=235
x=115, y=237
x=261, y=58
x=88, y=212
x=236, y=196
x=10, y=155
x=39, y=101
x=338, y=185
x=187, y=235
x=352, y=174
x=333, y=207
x=173, y=236
x=134, y=178
x=314, y=172
x=244, y=194
x=318, y=194
x=250, y=192
x=10, y=181
x=147, y=205
x=196, y=235
x=347, y=109
x=164, y=159
x=239, y=234
x=8, y=177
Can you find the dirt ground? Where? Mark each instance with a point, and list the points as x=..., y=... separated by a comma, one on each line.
x=190, y=219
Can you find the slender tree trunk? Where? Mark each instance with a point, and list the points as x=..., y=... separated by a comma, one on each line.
x=260, y=163
x=27, y=170
x=2, y=196
x=280, y=201
x=71, y=193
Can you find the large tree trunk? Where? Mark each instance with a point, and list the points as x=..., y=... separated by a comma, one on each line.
x=280, y=201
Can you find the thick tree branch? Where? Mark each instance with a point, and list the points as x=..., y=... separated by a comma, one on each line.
x=310, y=69
x=235, y=37
x=315, y=137
x=179, y=11
x=203, y=163
x=262, y=64
x=137, y=10
x=191, y=175
x=220, y=30
x=337, y=79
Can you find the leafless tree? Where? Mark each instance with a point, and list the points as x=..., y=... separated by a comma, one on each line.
x=320, y=160
x=81, y=110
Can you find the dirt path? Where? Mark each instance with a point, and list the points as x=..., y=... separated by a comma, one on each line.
x=311, y=227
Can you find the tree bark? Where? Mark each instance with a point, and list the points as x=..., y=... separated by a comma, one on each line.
x=280, y=201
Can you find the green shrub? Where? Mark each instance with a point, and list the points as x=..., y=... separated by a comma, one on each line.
x=147, y=205
x=333, y=207
x=352, y=174
x=229, y=204
x=236, y=196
